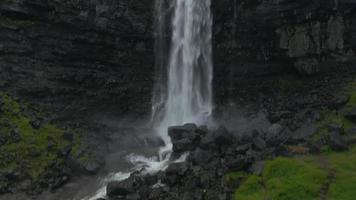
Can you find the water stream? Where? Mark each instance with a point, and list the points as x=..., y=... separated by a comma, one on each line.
x=183, y=90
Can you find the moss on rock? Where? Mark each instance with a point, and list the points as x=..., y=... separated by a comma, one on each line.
x=29, y=152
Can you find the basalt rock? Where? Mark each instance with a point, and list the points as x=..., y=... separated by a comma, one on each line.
x=351, y=115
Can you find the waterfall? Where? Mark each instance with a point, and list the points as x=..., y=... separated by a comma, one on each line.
x=183, y=91
x=188, y=90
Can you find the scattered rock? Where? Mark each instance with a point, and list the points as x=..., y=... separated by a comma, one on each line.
x=257, y=167
x=36, y=124
x=336, y=142
x=123, y=188
x=340, y=101
x=69, y=136
x=259, y=144
x=352, y=131
x=351, y=115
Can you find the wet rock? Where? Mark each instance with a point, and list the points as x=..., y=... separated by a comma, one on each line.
x=217, y=139
x=257, y=167
x=25, y=185
x=181, y=132
x=64, y=151
x=259, y=144
x=274, y=135
x=15, y=135
x=201, y=157
x=308, y=66
x=121, y=189
x=185, y=138
x=352, y=131
x=240, y=162
x=59, y=182
x=36, y=124
x=340, y=101
x=183, y=145
x=336, y=142
x=242, y=149
x=69, y=136
x=92, y=166
x=177, y=169
x=351, y=115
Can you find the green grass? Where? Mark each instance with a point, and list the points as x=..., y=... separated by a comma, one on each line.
x=284, y=179
x=343, y=165
x=304, y=177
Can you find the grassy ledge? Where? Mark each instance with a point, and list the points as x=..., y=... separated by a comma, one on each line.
x=27, y=151
x=327, y=176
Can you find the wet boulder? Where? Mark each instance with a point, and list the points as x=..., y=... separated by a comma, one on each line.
x=351, y=115
x=336, y=142
x=218, y=139
x=185, y=138
x=123, y=188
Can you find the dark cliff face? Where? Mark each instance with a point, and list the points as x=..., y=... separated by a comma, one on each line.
x=264, y=37
x=78, y=55
x=99, y=55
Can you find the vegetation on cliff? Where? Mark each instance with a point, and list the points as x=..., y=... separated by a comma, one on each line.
x=32, y=152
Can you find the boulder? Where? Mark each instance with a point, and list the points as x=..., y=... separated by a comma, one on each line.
x=122, y=188
x=336, y=142
x=352, y=131
x=257, y=167
x=177, y=169
x=180, y=132
x=201, y=157
x=275, y=135
x=340, y=101
x=185, y=138
x=259, y=144
x=217, y=139
x=351, y=115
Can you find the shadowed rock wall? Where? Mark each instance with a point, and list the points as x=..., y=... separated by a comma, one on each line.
x=98, y=55
x=78, y=55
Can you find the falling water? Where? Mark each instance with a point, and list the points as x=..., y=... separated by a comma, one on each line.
x=188, y=88
x=183, y=91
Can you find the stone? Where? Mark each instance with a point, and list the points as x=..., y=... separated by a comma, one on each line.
x=177, y=169
x=351, y=115
x=340, y=101
x=69, y=136
x=201, y=157
x=180, y=132
x=275, y=135
x=238, y=163
x=59, y=182
x=183, y=145
x=36, y=124
x=352, y=131
x=121, y=189
x=92, y=166
x=259, y=144
x=257, y=167
x=336, y=142
x=308, y=66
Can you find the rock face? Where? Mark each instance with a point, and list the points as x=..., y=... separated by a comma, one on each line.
x=257, y=37
x=78, y=55
x=81, y=56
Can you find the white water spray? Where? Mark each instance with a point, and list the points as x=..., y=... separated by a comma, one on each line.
x=189, y=90
x=183, y=91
